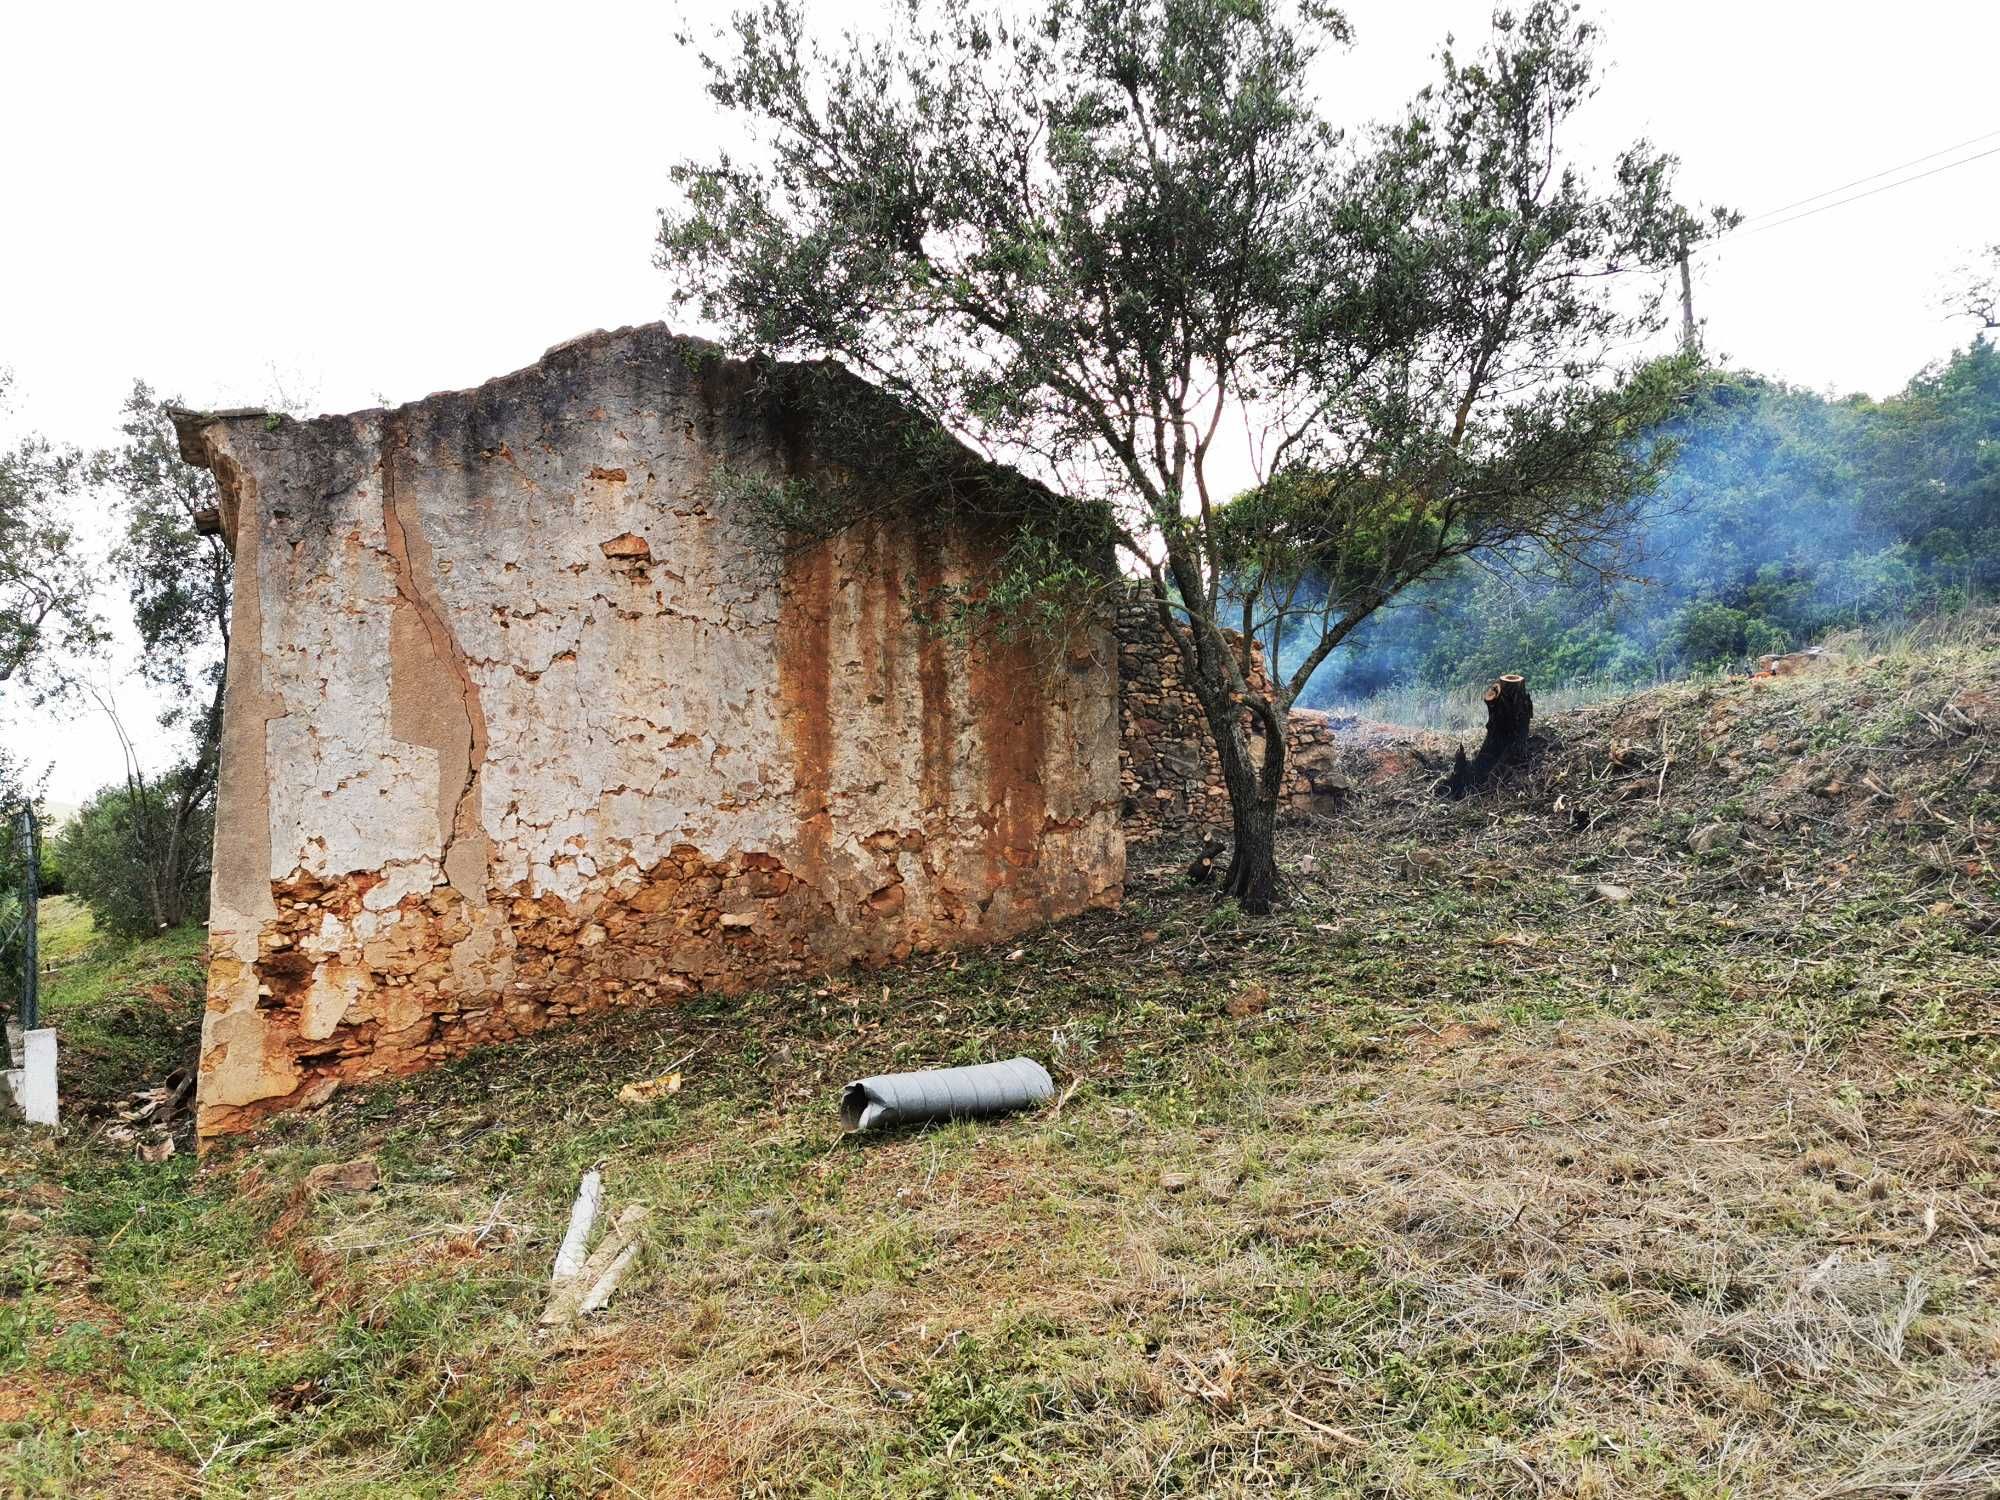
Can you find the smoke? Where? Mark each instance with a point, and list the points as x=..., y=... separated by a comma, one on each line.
x=1786, y=515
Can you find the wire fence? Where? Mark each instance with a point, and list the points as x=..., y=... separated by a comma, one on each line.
x=20, y=893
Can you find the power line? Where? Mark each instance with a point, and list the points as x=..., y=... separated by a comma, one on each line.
x=1964, y=161
x=1915, y=161
x=1843, y=203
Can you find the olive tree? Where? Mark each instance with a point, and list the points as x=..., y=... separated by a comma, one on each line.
x=1120, y=244
x=141, y=852
x=46, y=586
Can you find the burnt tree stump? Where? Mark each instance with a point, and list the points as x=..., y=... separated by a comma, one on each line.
x=1509, y=712
x=1202, y=871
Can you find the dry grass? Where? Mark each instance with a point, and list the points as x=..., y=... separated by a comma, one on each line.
x=1461, y=709
x=1459, y=1178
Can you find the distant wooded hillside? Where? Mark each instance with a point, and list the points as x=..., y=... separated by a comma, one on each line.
x=1787, y=515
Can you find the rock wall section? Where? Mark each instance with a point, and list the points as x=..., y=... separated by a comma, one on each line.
x=1168, y=770
x=525, y=721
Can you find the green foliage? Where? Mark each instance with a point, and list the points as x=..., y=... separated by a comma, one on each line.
x=1050, y=582
x=1712, y=632
x=1052, y=557
x=125, y=858
x=138, y=855
x=45, y=582
x=1783, y=517
x=177, y=578
x=1085, y=237
x=54, y=880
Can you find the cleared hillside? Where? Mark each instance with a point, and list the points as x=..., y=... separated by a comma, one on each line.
x=1634, y=1130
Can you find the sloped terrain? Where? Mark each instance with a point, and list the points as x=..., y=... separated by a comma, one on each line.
x=1630, y=1130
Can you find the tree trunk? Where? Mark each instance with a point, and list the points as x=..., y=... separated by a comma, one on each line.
x=1252, y=877
x=1253, y=863
x=1509, y=712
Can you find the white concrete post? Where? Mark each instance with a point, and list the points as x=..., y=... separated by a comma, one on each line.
x=37, y=1092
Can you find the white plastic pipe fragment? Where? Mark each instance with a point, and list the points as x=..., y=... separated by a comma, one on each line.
x=592, y=1286
x=945, y=1094
x=582, y=1219
x=602, y=1288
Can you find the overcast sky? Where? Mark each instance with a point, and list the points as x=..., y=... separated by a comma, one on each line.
x=347, y=205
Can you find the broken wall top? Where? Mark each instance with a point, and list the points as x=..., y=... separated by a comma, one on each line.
x=818, y=415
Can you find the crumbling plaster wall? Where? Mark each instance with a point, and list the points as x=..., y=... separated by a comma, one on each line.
x=525, y=721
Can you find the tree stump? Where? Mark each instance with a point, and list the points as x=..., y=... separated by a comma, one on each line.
x=1509, y=712
x=1202, y=871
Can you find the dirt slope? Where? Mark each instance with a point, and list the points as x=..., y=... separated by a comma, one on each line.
x=1632, y=1130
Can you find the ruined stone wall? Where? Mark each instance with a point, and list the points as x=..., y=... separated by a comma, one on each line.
x=525, y=720
x=1168, y=769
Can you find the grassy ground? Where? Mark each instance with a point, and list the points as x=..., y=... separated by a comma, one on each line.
x=1633, y=1131
x=126, y=1011
x=65, y=930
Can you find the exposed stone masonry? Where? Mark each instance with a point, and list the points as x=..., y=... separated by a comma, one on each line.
x=1167, y=763
x=527, y=719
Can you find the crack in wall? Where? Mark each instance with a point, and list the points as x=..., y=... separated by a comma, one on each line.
x=416, y=586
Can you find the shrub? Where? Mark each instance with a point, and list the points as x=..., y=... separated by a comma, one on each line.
x=138, y=857
x=1710, y=633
